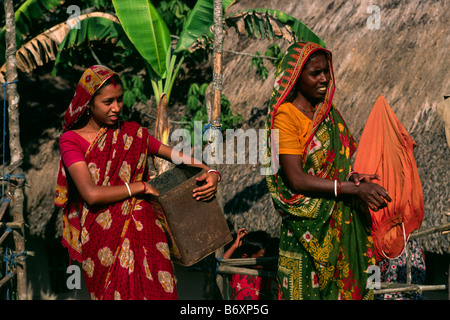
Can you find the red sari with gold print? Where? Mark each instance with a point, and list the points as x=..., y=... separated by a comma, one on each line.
x=123, y=247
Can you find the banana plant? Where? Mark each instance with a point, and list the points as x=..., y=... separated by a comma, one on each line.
x=151, y=37
x=95, y=26
x=36, y=49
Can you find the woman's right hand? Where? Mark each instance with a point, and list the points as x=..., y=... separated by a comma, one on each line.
x=374, y=195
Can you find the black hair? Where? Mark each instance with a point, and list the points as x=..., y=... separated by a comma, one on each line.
x=255, y=241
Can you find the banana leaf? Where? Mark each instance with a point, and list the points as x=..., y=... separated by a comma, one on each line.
x=146, y=30
x=104, y=28
x=44, y=48
x=26, y=18
x=199, y=22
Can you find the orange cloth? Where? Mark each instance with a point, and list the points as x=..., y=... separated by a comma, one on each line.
x=294, y=129
x=386, y=149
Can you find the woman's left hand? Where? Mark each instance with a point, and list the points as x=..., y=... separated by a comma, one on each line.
x=209, y=189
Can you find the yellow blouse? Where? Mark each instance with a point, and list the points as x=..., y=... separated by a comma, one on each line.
x=294, y=129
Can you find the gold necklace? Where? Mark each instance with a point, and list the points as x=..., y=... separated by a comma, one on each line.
x=89, y=136
x=298, y=106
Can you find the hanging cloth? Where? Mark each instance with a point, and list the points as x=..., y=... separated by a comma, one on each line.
x=386, y=149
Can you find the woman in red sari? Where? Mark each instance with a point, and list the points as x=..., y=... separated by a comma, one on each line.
x=108, y=225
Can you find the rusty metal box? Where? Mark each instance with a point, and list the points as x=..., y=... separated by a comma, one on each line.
x=195, y=228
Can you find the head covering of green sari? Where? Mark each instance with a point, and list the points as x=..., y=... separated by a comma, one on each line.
x=325, y=243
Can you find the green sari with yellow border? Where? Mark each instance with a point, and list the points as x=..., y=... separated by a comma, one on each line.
x=325, y=242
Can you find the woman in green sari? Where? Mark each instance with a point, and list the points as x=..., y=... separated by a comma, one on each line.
x=325, y=242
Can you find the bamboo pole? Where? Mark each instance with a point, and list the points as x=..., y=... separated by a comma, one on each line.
x=19, y=224
x=12, y=273
x=398, y=287
x=218, y=53
x=216, y=110
x=8, y=277
x=4, y=205
x=246, y=271
x=425, y=232
x=249, y=261
x=408, y=262
x=4, y=235
x=16, y=206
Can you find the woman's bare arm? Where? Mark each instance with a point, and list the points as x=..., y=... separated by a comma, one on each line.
x=371, y=193
x=98, y=195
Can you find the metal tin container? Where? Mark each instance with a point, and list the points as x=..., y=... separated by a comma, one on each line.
x=195, y=228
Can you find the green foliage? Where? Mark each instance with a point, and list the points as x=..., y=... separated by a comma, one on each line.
x=198, y=23
x=258, y=63
x=174, y=13
x=147, y=30
x=266, y=23
x=99, y=4
x=147, y=26
x=77, y=46
x=133, y=92
x=196, y=110
x=273, y=51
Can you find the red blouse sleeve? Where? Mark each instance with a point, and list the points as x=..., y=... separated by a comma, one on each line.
x=72, y=148
x=153, y=145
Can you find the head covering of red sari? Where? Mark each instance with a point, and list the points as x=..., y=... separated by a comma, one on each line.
x=91, y=80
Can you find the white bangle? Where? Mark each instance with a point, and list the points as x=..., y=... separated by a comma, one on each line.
x=128, y=187
x=219, y=176
x=335, y=188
